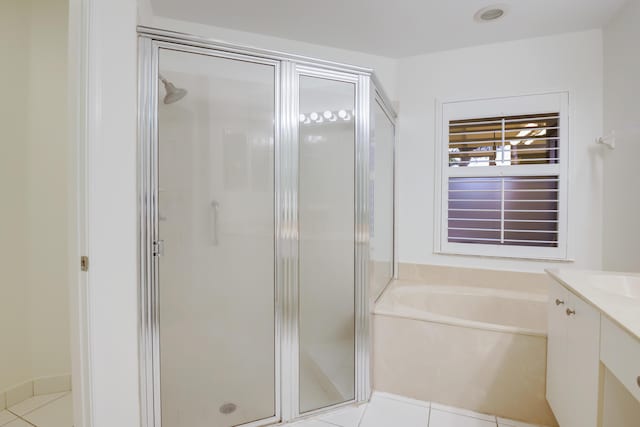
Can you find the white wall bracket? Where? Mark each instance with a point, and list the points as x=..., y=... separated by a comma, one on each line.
x=609, y=140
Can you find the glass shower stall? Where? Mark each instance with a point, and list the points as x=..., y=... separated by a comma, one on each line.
x=266, y=231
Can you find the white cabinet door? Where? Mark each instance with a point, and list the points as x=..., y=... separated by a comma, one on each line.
x=583, y=367
x=557, y=352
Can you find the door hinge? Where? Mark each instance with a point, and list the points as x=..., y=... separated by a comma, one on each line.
x=158, y=248
x=84, y=263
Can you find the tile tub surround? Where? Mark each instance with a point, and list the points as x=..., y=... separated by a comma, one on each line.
x=496, y=279
x=485, y=371
x=388, y=410
x=36, y=387
x=493, y=360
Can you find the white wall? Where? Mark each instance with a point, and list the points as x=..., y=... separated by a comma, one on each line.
x=385, y=68
x=570, y=62
x=47, y=189
x=34, y=302
x=622, y=114
x=14, y=45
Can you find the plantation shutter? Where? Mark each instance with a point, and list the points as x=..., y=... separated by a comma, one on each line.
x=517, y=205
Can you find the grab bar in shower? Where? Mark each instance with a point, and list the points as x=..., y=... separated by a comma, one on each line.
x=215, y=208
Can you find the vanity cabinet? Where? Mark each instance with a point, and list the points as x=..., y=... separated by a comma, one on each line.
x=573, y=358
x=620, y=352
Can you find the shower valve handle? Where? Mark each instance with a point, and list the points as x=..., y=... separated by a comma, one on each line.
x=559, y=302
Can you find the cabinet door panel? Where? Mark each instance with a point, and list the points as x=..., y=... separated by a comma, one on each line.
x=583, y=351
x=557, y=351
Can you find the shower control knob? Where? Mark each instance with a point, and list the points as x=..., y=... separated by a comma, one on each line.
x=559, y=302
x=638, y=381
x=570, y=312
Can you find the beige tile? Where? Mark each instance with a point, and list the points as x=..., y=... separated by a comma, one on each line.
x=484, y=371
x=18, y=423
x=460, y=411
x=55, y=384
x=58, y=413
x=6, y=417
x=19, y=393
x=459, y=276
x=34, y=402
x=3, y=401
x=448, y=419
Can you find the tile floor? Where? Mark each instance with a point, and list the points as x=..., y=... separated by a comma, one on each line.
x=386, y=410
x=46, y=410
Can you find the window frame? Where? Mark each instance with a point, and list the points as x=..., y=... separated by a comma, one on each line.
x=497, y=107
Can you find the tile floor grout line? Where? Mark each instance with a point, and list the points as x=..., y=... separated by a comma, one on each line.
x=364, y=412
x=41, y=406
x=10, y=421
x=26, y=421
x=429, y=415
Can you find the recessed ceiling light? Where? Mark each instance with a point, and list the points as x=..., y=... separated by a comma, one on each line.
x=490, y=13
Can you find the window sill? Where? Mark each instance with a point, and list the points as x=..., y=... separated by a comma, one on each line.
x=511, y=257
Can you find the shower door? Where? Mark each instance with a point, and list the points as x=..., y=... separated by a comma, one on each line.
x=254, y=234
x=216, y=323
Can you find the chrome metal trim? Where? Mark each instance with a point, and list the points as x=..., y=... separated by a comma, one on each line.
x=362, y=237
x=145, y=113
x=278, y=273
x=192, y=40
x=382, y=94
x=326, y=409
x=289, y=236
x=153, y=236
x=337, y=75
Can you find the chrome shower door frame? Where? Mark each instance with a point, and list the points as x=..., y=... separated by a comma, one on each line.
x=361, y=82
x=287, y=70
x=380, y=97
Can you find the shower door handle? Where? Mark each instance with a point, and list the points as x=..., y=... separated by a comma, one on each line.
x=215, y=208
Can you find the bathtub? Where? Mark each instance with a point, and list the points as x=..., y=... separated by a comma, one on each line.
x=471, y=347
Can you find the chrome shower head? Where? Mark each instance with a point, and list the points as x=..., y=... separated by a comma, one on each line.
x=174, y=94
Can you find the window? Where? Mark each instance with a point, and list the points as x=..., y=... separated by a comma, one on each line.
x=502, y=166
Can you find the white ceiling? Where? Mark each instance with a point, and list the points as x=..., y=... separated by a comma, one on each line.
x=392, y=28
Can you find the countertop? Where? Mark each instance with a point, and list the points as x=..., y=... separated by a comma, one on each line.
x=598, y=288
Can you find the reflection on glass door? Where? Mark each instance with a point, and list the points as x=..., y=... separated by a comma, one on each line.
x=216, y=223
x=326, y=223
x=382, y=200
